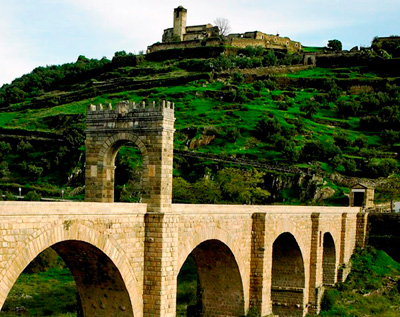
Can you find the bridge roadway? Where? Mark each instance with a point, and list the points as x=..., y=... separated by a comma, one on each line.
x=125, y=260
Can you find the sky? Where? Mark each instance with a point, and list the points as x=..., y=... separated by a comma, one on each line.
x=52, y=32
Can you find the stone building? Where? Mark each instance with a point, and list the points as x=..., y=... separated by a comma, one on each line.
x=182, y=36
x=362, y=196
x=181, y=32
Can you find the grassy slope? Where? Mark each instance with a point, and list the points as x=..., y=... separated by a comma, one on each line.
x=49, y=293
x=371, y=289
x=202, y=109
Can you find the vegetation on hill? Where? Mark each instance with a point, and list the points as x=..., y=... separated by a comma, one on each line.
x=371, y=289
x=304, y=134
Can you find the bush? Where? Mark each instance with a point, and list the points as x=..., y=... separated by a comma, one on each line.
x=350, y=166
x=266, y=127
x=32, y=196
x=381, y=168
x=334, y=45
x=269, y=59
x=320, y=151
x=9, y=196
x=207, y=191
x=182, y=191
x=270, y=84
x=237, y=78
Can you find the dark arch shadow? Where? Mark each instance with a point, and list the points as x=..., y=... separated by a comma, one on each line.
x=328, y=260
x=100, y=286
x=220, y=288
x=288, y=277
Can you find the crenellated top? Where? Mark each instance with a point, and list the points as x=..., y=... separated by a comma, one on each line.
x=124, y=108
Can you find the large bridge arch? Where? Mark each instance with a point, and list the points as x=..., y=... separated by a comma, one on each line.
x=201, y=234
x=75, y=241
x=220, y=289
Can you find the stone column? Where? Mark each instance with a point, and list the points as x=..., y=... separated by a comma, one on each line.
x=160, y=264
x=315, y=290
x=258, y=293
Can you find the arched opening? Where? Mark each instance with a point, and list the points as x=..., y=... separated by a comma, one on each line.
x=328, y=260
x=218, y=290
x=288, y=278
x=99, y=284
x=124, y=169
x=128, y=174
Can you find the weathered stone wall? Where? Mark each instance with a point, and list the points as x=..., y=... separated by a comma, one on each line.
x=267, y=41
x=184, y=44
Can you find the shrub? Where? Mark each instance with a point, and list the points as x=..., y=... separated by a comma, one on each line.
x=266, y=127
x=334, y=45
x=319, y=151
x=9, y=196
x=237, y=78
x=381, y=168
x=182, y=191
x=35, y=171
x=270, y=84
x=350, y=166
x=32, y=196
x=207, y=191
x=269, y=59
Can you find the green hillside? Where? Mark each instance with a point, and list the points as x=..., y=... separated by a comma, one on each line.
x=252, y=125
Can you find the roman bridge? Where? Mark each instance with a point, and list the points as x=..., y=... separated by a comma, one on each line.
x=125, y=258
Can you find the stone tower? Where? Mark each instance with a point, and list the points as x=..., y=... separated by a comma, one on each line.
x=151, y=128
x=180, y=14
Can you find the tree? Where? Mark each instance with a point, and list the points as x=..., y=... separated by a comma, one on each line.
x=223, y=26
x=242, y=186
x=334, y=45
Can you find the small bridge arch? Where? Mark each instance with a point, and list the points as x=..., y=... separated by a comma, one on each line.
x=328, y=260
x=288, y=278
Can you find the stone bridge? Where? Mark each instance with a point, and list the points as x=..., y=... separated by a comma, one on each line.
x=125, y=258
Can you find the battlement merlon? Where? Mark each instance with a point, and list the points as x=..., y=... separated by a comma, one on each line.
x=131, y=109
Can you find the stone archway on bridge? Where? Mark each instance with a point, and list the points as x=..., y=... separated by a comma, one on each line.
x=101, y=271
x=149, y=126
x=288, y=277
x=328, y=260
x=220, y=288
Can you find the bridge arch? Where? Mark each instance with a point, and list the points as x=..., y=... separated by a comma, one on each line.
x=103, y=275
x=288, y=278
x=328, y=260
x=220, y=290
